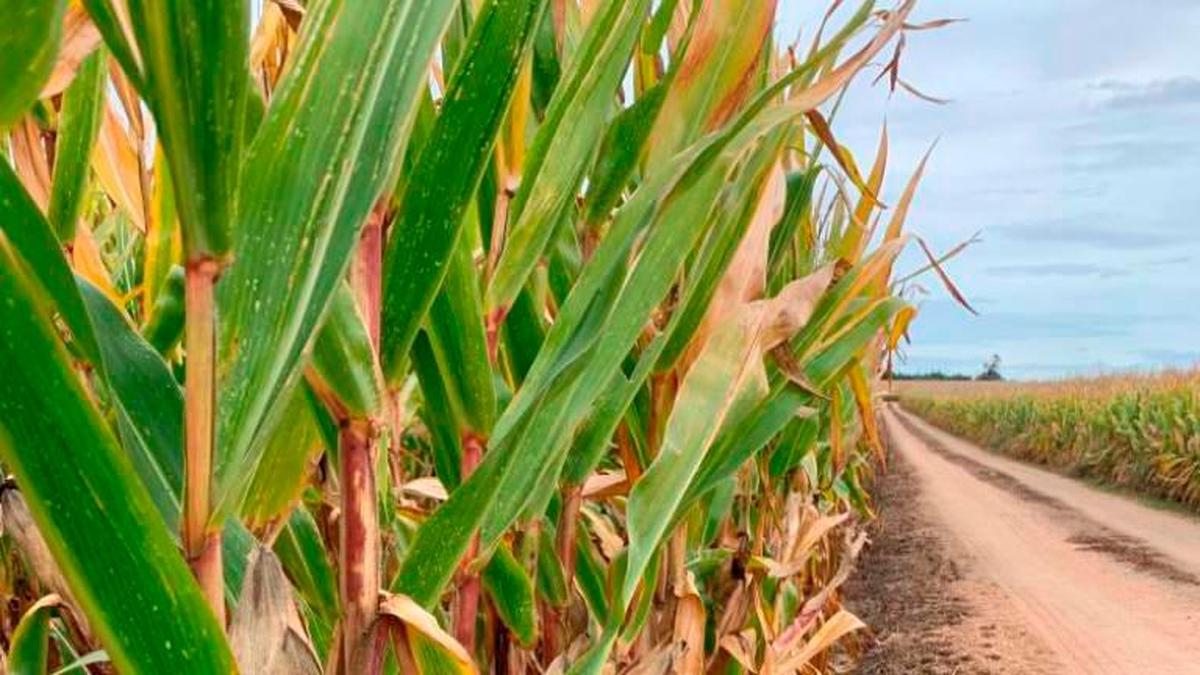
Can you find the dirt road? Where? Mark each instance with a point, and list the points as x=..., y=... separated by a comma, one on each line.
x=1017, y=569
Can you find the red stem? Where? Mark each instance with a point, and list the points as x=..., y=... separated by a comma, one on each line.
x=359, y=556
x=202, y=546
x=467, y=609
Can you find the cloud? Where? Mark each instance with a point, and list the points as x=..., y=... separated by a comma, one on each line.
x=1096, y=156
x=1127, y=94
x=1058, y=270
x=1091, y=230
x=1167, y=261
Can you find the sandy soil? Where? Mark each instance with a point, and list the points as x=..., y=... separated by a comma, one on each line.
x=985, y=565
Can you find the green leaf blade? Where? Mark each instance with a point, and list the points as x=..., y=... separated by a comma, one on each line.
x=33, y=29
x=449, y=170
x=337, y=123
x=99, y=522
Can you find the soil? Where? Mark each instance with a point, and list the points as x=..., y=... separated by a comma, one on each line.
x=909, y=586
x=980, y=564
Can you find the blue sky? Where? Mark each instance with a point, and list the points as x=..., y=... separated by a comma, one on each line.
x=1073, y=145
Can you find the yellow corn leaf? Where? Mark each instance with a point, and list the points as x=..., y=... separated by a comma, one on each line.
x=820, y=127
x=511, y=146
x=868, y=200
x=817, y=93
x=87, y=263
x=866, y=410
x=746, y=276
x=421, y=644
x=428, y=487
x=689, y=633
x=80, y=38
x=604, y=484
x=900, y=326
x=716, y=73
x=896, y=224
x=834, y=629
x=29, y=159
x=163, y=246
x=115, y=160
x=742, y=647
x=812, y=533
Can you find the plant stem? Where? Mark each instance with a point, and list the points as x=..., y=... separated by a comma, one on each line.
x=468, y=592
x=203, y=547
x=359, y=556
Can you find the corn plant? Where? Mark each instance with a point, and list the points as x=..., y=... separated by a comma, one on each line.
x=1140, y=432
x=436, y=336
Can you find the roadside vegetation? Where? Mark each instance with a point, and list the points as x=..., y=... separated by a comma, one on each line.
x=432, y=336
x=1138, y=432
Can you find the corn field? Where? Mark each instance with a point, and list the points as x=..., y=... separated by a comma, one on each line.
x=1140, y=432
x=438, y=336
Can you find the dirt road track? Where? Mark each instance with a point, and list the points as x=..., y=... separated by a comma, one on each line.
x=1069, y=579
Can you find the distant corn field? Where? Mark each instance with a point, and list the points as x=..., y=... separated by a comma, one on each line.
x=437, y=336
x=1140, y=432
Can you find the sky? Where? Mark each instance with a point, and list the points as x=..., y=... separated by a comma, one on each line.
x=1072, y=145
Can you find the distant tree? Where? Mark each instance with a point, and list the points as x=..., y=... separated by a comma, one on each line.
x=991, y=369
x=932, y=375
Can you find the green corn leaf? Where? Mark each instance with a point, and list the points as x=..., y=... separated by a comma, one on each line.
x=456, y=333
x=725, y=384
x=236, y=544
x=794, y=443
x=148, y=398
x=724, y=377
x=511, y=591
x=740, y=441
x=447, y=174
x=149, y=404
x=344, y=360
x=29, y=650
x=83, y=104
x=98, y=520
x=286, y=462
x=302, y=554
x=645, y=601
x=546, y=67
x=551, y=584
x=561, y=386
x=594, y=439
x=830, y=360
x=29, y=45
x=439, y=414
x=149, y=401
x=322, y=156
x=620, y=150
x=590, y=576
x=30, y=235
x=564, y=145
x=164, y=328
x=192, y=69
x=523, y=333
x=799, y=200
